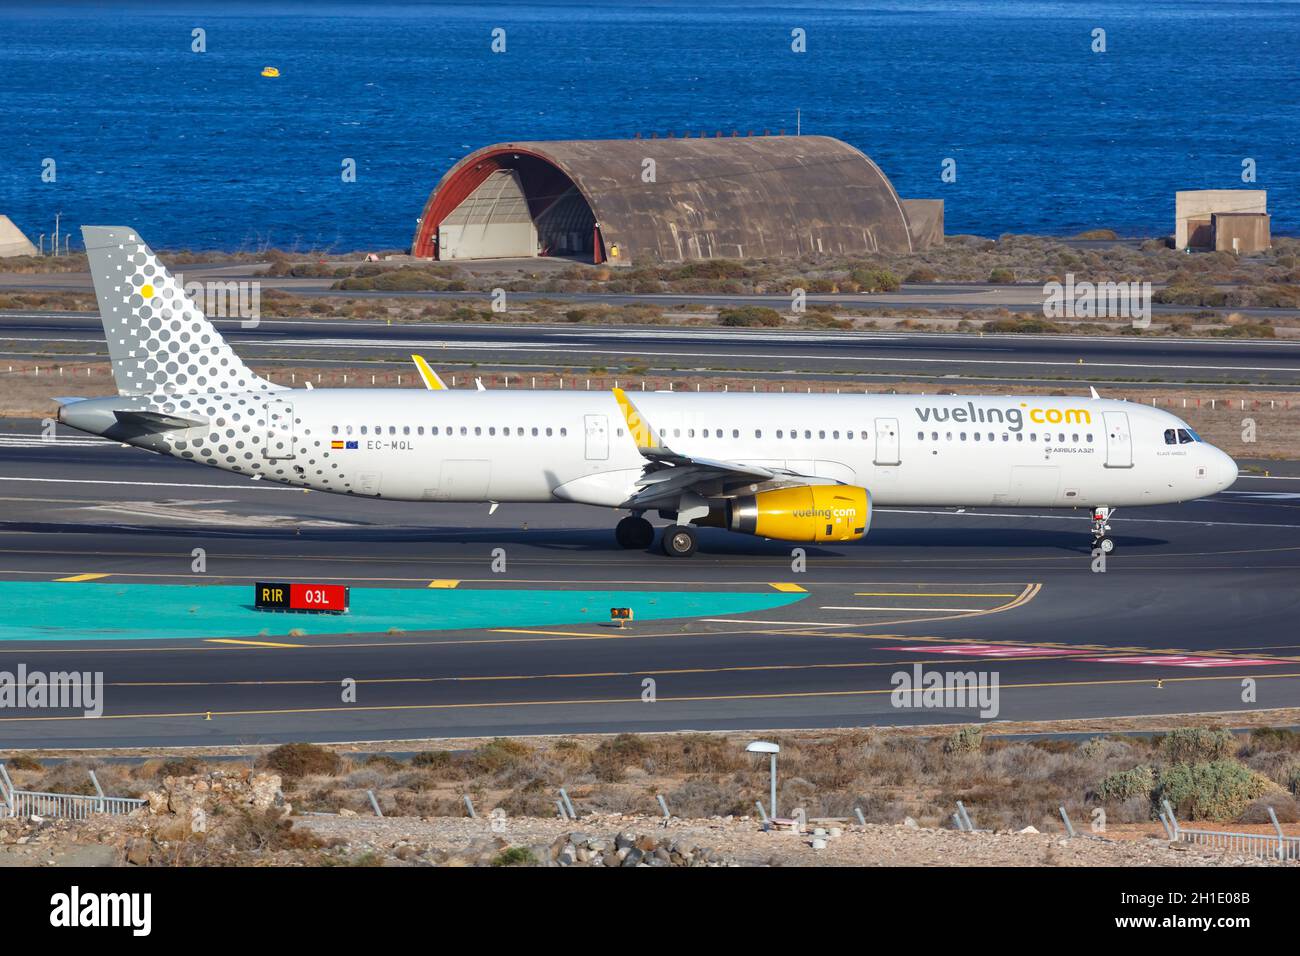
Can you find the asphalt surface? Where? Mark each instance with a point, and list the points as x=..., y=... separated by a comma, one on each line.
x=850, y=357
x=1202, y=595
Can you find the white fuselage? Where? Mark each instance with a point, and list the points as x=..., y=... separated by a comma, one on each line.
x=534, y=446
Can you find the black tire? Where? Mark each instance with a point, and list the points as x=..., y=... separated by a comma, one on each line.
x=679, y=541
x=634, y=532
x=1106, y=544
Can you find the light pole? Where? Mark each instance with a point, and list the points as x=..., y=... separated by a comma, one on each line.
x=766, y=747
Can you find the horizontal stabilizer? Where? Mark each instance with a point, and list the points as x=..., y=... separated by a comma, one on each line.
x=158, y=422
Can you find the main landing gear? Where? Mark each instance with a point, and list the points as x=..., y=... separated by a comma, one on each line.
x=1100, y=526
x=679, y=541
x=634, y=532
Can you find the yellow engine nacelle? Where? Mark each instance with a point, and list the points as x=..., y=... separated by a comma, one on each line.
x=811, y=513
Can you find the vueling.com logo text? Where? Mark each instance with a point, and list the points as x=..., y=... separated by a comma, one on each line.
x=1013, y=418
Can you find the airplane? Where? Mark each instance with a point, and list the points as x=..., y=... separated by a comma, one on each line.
x=791, y=467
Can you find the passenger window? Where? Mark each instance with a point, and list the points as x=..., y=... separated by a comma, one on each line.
x=535, y=432
x=1033, y=436
x=977, y=435
x=1075, y=438
x=735, y=433
x=347, y=430
x=758, y=433
x=963, y=436
x=690, y=433
x=563, y=432
x=920, y=436
x=548, y=433
x=492, y=431
x=363, y=429
x=392, y=429
x=1089, y=436
x=934, y=436
x=807, y=433
x=334, y=429
x=464, y=430
x=821, y=434
x=433, y=430
x=835, y=434
x=779, y=434
x=406, y=429
x=864, y=436
x=478, y=430
x=1061, y=437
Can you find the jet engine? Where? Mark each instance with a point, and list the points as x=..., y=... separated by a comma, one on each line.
x=810, y=513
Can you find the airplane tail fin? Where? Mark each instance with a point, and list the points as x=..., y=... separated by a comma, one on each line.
x=158, y=340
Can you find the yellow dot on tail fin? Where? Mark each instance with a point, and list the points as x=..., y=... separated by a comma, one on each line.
x=147, y=291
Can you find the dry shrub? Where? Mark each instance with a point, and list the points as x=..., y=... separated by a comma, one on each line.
x=266, y=830
x=1197, y=744
x=301, y=760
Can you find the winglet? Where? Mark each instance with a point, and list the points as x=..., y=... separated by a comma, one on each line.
x=1094, y=393
x=431, y=380
x=637, y=426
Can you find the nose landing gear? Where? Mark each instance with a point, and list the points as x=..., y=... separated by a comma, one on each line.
x=1100, y=528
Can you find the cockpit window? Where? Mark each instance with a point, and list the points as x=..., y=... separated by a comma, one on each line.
x=1195, y=437
x=1171, y=436
x=1185, y=437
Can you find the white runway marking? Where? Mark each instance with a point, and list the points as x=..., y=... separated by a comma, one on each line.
x=834, y=607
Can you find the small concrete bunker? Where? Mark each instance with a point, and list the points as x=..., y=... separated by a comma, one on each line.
x=663, y=200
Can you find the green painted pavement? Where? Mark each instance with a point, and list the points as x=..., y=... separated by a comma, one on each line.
x=50, y=611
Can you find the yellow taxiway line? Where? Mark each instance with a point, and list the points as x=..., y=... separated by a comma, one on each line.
x=82, y=577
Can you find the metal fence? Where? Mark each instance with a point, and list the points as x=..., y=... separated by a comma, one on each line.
x=1276, y=846
x=66, y=806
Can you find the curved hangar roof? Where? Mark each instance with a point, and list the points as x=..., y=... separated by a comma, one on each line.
x=711, y=197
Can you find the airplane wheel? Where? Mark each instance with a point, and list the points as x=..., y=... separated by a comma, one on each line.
x=1106, y=544
x=634, y=532
x=679, y=541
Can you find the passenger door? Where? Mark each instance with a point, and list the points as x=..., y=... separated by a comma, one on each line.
x=279, y=430
x=597, y=437
x=1119, y=443
x=887, y=451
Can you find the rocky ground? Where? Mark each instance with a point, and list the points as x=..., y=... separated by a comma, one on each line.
x=597, y=840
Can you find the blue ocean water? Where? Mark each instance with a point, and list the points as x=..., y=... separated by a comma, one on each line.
x=199, y=151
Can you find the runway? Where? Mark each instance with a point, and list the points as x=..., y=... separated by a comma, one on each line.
x=1196, y=598
x=852, y=357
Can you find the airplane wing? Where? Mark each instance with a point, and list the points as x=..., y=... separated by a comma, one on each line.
x=668, y=474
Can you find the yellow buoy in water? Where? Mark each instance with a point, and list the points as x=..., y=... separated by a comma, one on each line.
x=270, y=71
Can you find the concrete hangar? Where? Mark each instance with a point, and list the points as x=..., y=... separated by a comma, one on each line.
x=670, y=199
